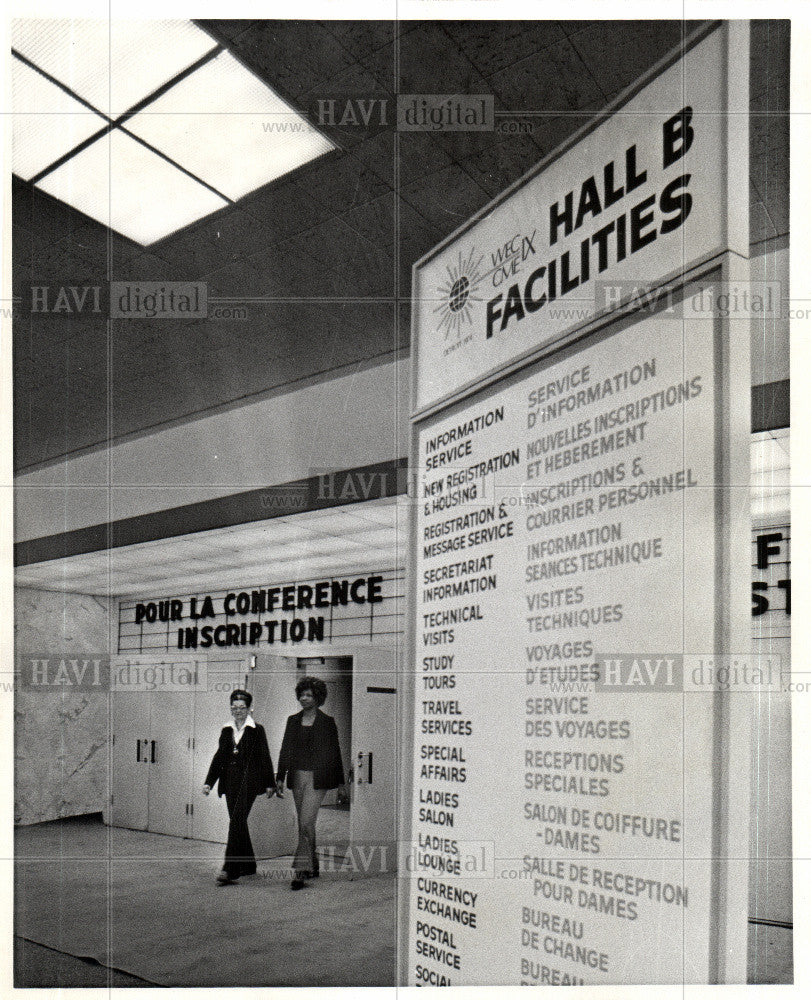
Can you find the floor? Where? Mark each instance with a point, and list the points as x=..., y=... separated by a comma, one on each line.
x=147, y=907
x=98, y=906
x=38, y=966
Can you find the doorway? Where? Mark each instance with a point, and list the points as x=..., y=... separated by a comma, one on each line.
x=336, y=673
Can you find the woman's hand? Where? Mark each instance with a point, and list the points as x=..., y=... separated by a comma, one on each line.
x=270, y=792
x=206, y=789
x=280, y=789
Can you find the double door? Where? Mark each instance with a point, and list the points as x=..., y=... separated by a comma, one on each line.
x=152, y=736
x=163, y=742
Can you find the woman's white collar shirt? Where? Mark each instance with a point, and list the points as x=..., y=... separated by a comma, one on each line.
x=238, y=732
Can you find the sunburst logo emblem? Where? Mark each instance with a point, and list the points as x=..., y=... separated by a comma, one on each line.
x=458, y=294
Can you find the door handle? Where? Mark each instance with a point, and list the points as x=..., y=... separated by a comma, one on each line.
x=364, y=769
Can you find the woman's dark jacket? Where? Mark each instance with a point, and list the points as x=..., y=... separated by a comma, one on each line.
x=245, y=766
x=326, y=765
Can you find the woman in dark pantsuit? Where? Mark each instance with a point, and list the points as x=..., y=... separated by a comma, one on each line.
x=310, y=758
x=243, y=767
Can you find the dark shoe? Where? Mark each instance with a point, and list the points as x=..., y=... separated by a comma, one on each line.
x=297, y=883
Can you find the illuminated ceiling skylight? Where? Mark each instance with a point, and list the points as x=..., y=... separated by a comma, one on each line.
x=47, y=122
x=111, y=64
x=189, y=130
x=222, y=108
x=121, y=183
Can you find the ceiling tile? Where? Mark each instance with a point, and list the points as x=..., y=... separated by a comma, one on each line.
x=617, y=52
x=362, y=37
x=458, y=145
x=769, y=62
x=284, y=209
x=47, y=333
x=498, y=166
x=553, y=81
x=367, y=261
x=232, y=281
x=374, y=221
x=375, y=281
x=343, y=182
x=330, y=240
x=292, y=274
x=432, y=63
x=381, y=63
x=769, y=164
x=363, y=329
x=93, y=239
x=416, y=236
x=418, y=154
x=337, y=106
x=48, y=219
x=21, y=245
x=300, y=276
x=294, y=56
x=494, y=45
x=177, y=339
x=446, y=199
x=88, y=242
x=69, y=257
x=377, y=152
x=211, y=244
x=148, y=266
x=761, y=226
x=356, y=81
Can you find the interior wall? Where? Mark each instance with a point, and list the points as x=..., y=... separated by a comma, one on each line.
x=349, y=421
x=60, y=733
x=770, y=333
x=770, y=836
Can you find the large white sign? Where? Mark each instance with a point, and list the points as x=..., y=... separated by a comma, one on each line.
x=578, y=791
x=630, y=203
x=558, y=833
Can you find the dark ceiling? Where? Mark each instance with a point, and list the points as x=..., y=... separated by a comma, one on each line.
x=322, y=258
